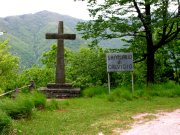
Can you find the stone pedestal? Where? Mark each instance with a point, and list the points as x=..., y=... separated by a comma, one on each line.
x=60, y=91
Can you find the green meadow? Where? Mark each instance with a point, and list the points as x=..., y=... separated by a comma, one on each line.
x=95, y=111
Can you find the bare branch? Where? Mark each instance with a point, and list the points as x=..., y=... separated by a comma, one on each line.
x=167, y=39
x=142, y=59
x=140, y=15
x=165, y=25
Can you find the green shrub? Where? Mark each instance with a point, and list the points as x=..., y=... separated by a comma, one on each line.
x=21, y=107
x=39, y=99
x=52, y=105
x=169, y=89
x=139, y=93
x=94, y=91
x=169, y=85
x=162, y=93
x=5, y=123
x=177, y=92
x=65, y=103
x=120, y=94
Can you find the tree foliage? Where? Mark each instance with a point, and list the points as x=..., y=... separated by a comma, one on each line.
x=154, y=22
x=9, y=65
x=40, y=75
x=173, y=52
x=87, y=67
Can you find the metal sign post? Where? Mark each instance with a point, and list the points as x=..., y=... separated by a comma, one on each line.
x=109, y=83
x=132, y=75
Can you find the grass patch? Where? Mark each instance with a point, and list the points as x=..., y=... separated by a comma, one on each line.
x=169, y=89
x=22, y=106
x=5, y=123
x=94, y=91
x=97, y=114
x=120, y=94
x=52, y=105
x=39, y=99
x=91, y=116
x=19, y=108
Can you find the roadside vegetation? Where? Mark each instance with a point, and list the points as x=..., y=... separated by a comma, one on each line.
x=95, y=111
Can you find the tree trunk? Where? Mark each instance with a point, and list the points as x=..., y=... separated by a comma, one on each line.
x=150, y=68
x=150, y=45
x=150, y=58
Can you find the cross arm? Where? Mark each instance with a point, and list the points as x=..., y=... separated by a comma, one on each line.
x=60, y=36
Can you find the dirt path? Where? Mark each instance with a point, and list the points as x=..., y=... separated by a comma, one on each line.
x=166, y=123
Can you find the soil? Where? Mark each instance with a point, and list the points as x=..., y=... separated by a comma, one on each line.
x=164, y=123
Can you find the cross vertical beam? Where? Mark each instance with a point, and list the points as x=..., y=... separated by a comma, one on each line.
x=60, y=72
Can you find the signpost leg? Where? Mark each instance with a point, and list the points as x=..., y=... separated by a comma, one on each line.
x=132, y=74
x=109, y=83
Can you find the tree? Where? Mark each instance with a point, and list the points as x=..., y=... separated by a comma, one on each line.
x=9, y=65
x=154, y=21
x=174, y=58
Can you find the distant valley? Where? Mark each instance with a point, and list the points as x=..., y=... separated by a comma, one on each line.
x=27, y=34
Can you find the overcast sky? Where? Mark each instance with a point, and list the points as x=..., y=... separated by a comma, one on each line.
x=76, y=9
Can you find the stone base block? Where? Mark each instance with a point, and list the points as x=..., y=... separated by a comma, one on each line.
x=60, y=91
x=59, y=85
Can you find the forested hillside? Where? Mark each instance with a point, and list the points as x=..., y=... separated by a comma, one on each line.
x=27, y=34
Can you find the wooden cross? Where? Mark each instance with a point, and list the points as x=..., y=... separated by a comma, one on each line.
x=60, y=36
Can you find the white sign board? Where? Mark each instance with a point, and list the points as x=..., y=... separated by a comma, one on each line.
x=117, y=62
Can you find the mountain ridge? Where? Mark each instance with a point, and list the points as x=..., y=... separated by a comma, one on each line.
x=27, y=34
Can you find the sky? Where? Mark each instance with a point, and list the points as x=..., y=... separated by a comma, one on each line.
x=76, y=9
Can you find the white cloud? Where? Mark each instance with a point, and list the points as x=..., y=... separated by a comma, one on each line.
x=76, y=9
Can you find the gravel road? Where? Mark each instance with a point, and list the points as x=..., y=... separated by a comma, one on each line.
x=165, y=123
